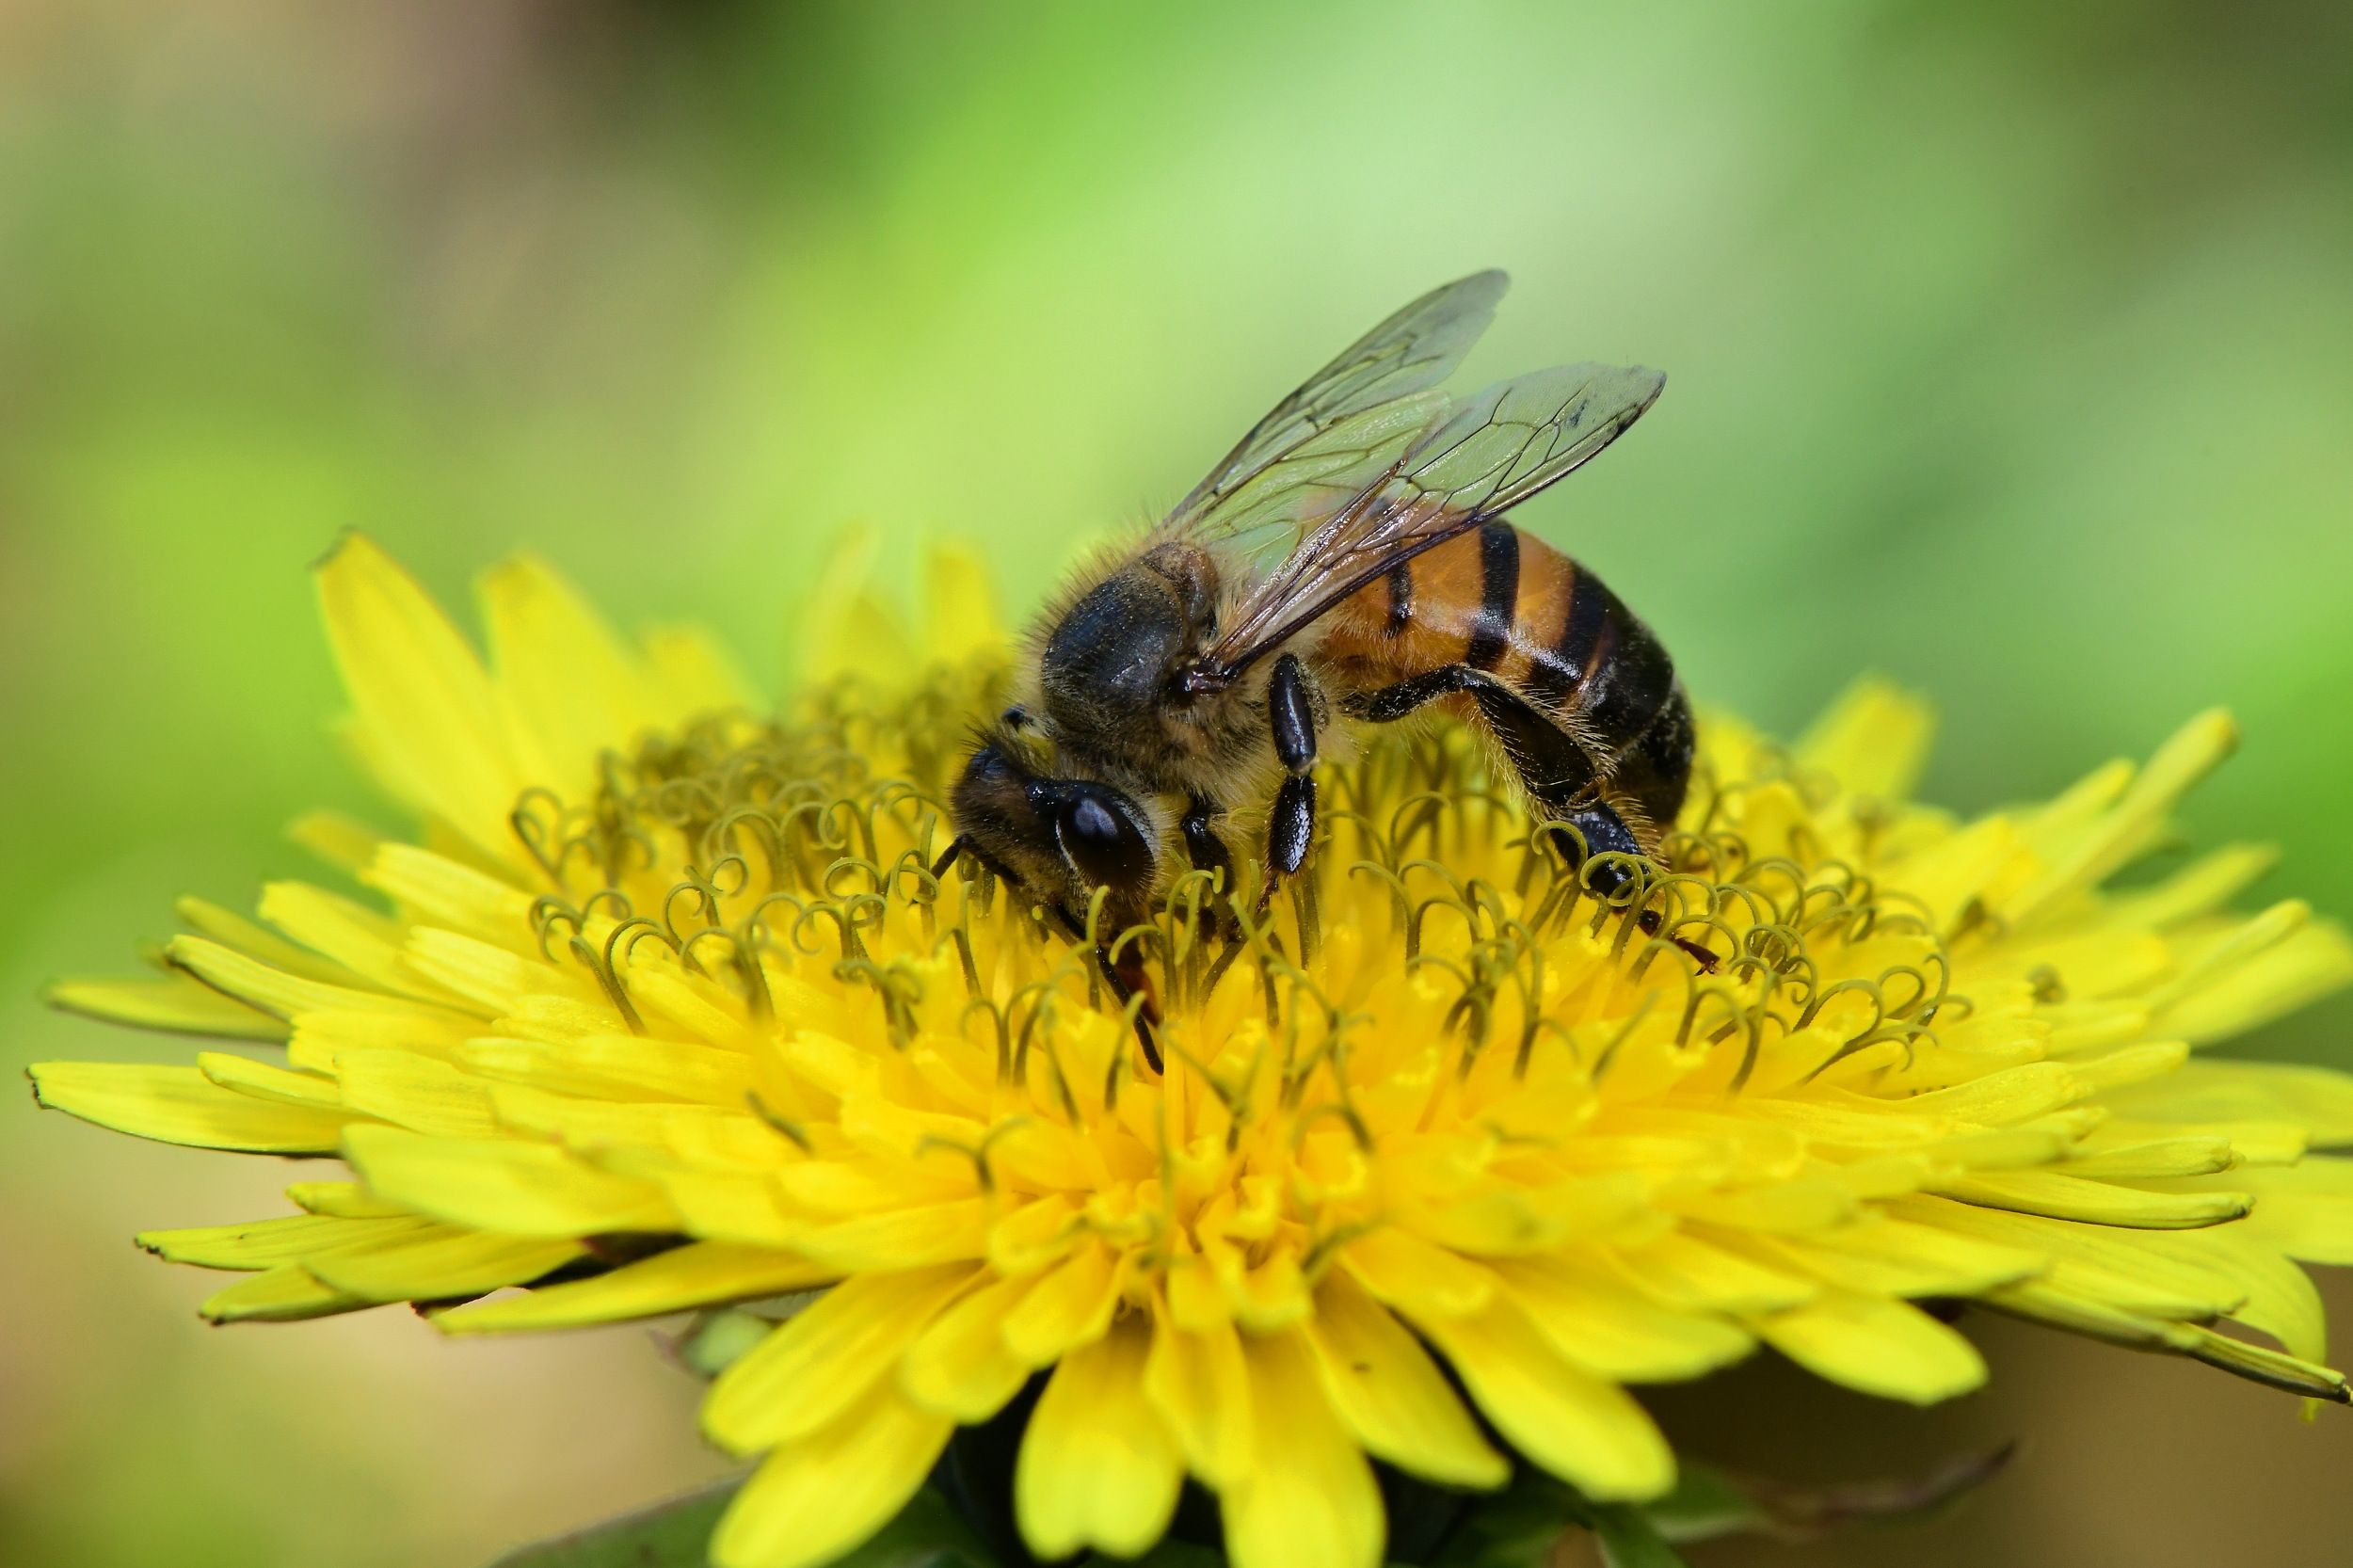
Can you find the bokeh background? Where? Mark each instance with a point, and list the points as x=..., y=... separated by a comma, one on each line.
x=2011, y=354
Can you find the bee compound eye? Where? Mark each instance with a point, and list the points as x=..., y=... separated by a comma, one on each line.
x=1102, y=839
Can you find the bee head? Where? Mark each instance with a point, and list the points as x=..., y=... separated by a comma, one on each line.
x=1060, y=838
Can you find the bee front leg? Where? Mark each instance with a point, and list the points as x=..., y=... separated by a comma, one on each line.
x=1124, y=975
x=1207, y=851
x=1101, y=836
x=1291, y=826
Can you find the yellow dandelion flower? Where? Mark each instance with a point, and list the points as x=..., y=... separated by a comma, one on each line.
x=662, y=1008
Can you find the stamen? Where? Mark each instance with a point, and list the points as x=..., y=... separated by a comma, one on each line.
x=785, y=829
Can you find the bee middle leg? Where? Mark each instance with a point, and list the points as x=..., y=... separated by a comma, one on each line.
x=1291, y=824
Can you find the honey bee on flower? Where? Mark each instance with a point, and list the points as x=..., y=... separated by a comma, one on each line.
x=656, y=1003
x=1348, y=564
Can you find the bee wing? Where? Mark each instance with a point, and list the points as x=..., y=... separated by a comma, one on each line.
x=1350, y=420
x=1487, y=455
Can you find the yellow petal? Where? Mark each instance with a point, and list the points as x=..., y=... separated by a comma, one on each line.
x=1390, y=1393
x=2205, y=885
x=265, y=1082
x=281, y=1295
x=1587, y=1432
x=823, y=1361
x=1894, y=1257
x=2105, y=1203
x=2319, y=1100
x=1873, y=740
x=2086, y=858
x=1199, y=1382
x=233, y=930
x=1096, y=1466
x=1612, y=1333
x=1069, y=1306
x=439, y=1264
x=2117, y=1268
x=960, y=1367
x=563, y=677
x=733, y=1206
x=344, y=1200
x=425, y=713
x=1876, y=1345
x=702, y=1273
x=411, y=1090
x=320, y=1039
x=266, y=1244
x=694, y=675
x=2264, y=1364
x=929, y=1233
x=2048, y=1304
x=1682, y=1271
x=844, y=631
x=177, y=1005
x=178, y=1105
x=491, y=979
x=1417, y=1277
x=286, y=995
x=1785, y=1206
x=630, y=1066
x=2280, y=1299
x=2299, y=969
x=503, y=1185
x=1308, y=1497
x=960, y=608
x=364, y=943
x=342, y=841
x=816, y=1498
x=448, y=893
x=2305, y=1209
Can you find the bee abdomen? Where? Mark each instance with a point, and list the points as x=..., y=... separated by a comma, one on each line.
x=1508, y=604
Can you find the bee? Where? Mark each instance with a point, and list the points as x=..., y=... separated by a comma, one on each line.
x=1347, y=564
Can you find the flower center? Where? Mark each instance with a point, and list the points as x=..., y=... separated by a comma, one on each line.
x=1439, y=977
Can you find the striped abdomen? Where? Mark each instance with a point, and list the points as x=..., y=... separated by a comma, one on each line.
x=1504, y=603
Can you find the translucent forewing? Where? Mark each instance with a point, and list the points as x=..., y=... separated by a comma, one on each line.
x=1270, y=509
x=1289, y=465
x=1490, y=452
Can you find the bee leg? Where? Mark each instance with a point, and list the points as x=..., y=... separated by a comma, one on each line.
x=1291, y=826
x=956, y=847
x=1604, y=832
x=1207, y=851
x=1126, y=978
x=1559, y=775
x=1556, y=773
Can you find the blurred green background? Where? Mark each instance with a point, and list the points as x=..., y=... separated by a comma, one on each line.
x=2011, y=354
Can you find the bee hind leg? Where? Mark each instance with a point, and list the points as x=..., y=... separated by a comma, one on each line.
x=1599, y=831
x=1605, y=833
